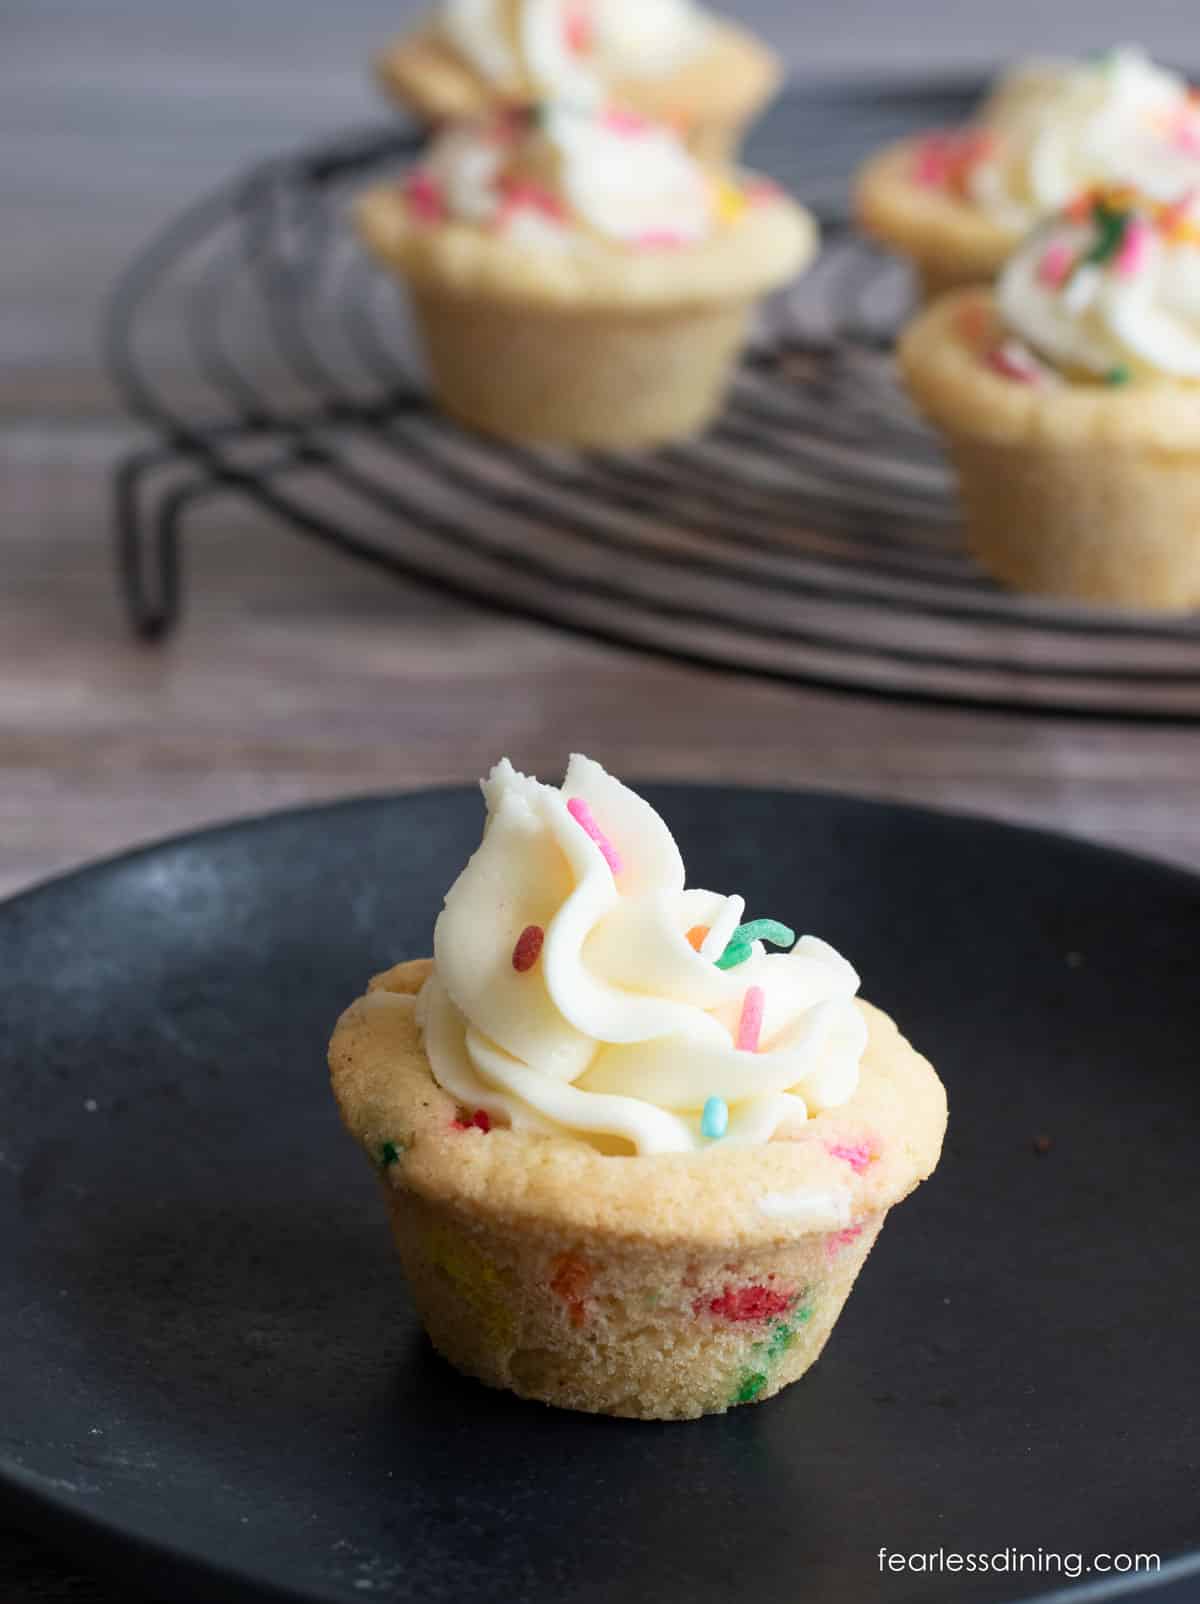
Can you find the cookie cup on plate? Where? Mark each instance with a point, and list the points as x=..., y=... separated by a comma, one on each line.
x=659, y=1287
x=608, y=347
x=1073, y=490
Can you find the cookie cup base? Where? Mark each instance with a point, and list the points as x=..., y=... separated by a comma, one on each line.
x=596, y=377
x=1069, y=490
x=618, y=1327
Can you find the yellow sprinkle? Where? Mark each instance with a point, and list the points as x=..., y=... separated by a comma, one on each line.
x=729, y=200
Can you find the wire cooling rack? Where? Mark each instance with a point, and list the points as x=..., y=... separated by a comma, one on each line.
x=810, y=537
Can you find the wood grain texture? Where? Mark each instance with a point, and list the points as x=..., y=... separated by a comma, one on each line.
x=298, y=676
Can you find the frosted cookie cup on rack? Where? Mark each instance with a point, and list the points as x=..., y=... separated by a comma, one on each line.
x=633, y=1162
x=579, y=277
x=956, y=202
x=1070, y=401
x=670, y=60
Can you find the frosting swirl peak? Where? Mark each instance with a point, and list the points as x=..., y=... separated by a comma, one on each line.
x=623, y=1025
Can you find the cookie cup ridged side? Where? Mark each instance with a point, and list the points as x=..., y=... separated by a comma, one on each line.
x=662, y=1287
x=609, y=347
x=602, y=378
x=1072, y=490
x=950, y=243
x=712, y=98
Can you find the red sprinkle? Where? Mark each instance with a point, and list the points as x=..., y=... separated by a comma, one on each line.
x=747, y=1303
x=424, y=196
x=1010, y=362
x=620, y=120
x=528, y=948
x=480, y=1120
x=750, y=1024
x=945, y=159
x=858, y=1156
x=522, y=194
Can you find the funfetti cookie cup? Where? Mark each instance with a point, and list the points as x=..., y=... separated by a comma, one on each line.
x=659, y=1287
x=950, y=243
x=1070, y=490
x=711, y=97
x=607, y=347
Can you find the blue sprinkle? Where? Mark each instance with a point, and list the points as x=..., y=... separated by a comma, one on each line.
x=714, y=1121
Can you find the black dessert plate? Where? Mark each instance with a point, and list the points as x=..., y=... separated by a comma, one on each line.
x=212, y=1380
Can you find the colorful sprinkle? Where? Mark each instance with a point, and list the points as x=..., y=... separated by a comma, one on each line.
x=742, y=1304
x=840, y=1239
x=582, y=814
x=859, y=1155
x=1054, y=269
x=572, y=1279
x=1118, y=376
x=620, y=120
x=389, y=1154
x=750, y=1383
x=1131, y=257
x=974, y=322
x=423, y=196
x=1111, y=223
x=714, y=1121
x=480, y=1120
x=762, y=192
x=661, y=239
x=474, y=1277
x=577, y=27
x=735, y=953
x=944, y=160
x=697, y=936
x=738, y=947
x=750, y=1024
x=528, y=948
x=1012, y=361
x=522, y=194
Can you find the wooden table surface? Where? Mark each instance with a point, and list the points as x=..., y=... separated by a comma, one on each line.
x=298, y=675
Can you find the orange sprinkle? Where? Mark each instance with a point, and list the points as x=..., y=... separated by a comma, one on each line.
x=696, y=936
x=572, y=1279
x=974, y=322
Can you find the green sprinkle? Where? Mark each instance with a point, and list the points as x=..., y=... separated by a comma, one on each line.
x=738, y=948
x=1110, y=226
x=389, y=1154
x=1118, y=375
x=751, y=1384
x=735, y=953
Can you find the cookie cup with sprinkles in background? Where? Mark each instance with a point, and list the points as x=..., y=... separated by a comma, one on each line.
x=956, y=202
x=579, y=278
x=656, y=1256
x=669, y=60
x=1069, y=400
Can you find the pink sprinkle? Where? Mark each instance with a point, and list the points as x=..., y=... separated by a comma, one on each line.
x=841, y=1239
x=577, y=26
x=933, y=161
x=857, y=1156
x=761, y=192
x=657, y=239
x=582, y=814
x=424, y=196
x=1131, y=257
x=1011, y=362
x=620, y=120
x=523, y=193
x=1054, y=269
x=750, y=1024
x=1185, y=135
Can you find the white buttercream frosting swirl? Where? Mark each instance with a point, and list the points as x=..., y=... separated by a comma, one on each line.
x=1061, y=128
x=572, y=49
x=1111, y=288
x=562, y=176
x=624, y=1028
